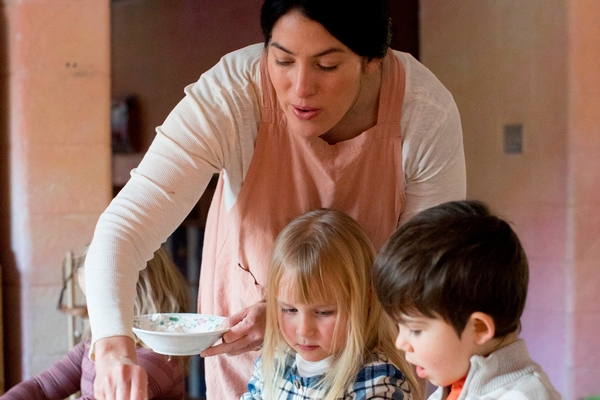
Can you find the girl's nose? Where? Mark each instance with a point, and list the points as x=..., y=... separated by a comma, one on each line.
x=304, y=85
x=305, y=326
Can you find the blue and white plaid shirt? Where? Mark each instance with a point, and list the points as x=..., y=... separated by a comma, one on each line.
x=378, y=379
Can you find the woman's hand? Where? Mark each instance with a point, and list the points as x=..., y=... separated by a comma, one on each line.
x=118, y=377
x=246, y=334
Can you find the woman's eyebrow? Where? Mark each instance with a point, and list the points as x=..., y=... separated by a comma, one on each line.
x=323, y=53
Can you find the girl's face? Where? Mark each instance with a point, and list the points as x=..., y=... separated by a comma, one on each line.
x=316, y=77
x=309, y=329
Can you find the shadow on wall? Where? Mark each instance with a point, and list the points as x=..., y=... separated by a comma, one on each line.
x=10, y=326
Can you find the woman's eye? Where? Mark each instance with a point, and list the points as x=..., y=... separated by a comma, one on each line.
x=283, y=63
x=414, y=332
x=328, y=69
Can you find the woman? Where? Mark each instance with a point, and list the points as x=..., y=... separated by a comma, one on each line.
x=322, y=115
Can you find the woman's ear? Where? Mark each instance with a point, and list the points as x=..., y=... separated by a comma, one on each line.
x=372, y=65
x=484, y=327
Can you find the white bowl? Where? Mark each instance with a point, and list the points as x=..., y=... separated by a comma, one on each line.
x=179, y=334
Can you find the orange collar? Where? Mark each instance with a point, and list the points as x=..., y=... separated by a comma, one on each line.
x=456, y=388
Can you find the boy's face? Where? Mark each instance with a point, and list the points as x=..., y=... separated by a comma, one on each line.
x=433, y=346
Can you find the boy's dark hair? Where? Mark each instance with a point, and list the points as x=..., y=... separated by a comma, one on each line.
x=450, y=261
x=362, y=25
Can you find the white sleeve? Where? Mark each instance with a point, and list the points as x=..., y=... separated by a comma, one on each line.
x=211, y=130
x=433, y=157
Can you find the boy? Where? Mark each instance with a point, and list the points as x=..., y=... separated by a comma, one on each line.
x=455, y=279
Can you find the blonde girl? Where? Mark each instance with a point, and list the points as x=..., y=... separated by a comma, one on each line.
x=327, y=336
x=160, y=288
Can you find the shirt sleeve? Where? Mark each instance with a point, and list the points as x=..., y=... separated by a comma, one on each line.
x=255, y=384
x=208, y=132
x=379, y=381
x=433, y=159
x=57, y=383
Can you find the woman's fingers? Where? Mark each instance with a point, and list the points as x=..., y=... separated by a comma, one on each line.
x=246, y=333
x=120, y=380
x=118, y=377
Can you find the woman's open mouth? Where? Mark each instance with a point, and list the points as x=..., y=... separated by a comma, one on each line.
x=305, y=113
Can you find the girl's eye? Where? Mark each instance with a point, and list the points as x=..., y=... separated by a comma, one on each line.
x=414, y=332
x=288, y=310
x=326, y=313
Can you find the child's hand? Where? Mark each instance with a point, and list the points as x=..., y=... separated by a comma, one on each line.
x=246, y=333
x=118, y=377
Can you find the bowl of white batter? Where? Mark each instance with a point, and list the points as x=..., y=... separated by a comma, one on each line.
x=179, y=334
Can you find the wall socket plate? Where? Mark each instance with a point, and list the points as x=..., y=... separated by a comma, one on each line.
x=513, y=139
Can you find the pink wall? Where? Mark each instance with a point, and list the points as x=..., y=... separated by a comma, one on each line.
x=534, y=64
x=583, y=149
x=158, y=47
x=55, y=173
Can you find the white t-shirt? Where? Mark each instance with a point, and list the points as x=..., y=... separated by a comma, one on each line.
x=212, y=130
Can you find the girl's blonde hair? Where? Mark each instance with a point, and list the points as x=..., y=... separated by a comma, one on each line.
x=325, y=255
x=160, y=288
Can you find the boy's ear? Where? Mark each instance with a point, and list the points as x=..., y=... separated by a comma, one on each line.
x=484, y=327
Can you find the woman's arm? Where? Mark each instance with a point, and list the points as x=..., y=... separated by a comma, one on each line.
x=58, y=382
x=434, y=161
x=207, y=132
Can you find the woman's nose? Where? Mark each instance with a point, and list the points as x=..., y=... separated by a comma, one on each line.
x=304, y=85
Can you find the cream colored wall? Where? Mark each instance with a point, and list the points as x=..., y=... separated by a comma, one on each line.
x=55, y=168
x=534, y=63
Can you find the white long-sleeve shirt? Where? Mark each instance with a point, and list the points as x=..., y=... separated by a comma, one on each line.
x=213, y=129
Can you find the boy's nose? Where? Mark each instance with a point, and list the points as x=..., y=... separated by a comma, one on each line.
x=402, y=343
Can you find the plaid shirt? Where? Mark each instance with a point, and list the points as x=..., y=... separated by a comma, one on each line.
x=378, y=379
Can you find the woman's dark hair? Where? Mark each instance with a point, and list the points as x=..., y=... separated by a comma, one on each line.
x=450, y=261
x=362, y=25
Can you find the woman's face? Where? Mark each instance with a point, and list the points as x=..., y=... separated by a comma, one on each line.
x=316, y=77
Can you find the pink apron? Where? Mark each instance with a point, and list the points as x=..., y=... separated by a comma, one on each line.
x=288, y=176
